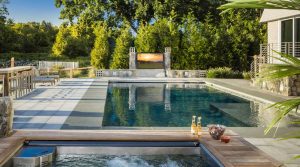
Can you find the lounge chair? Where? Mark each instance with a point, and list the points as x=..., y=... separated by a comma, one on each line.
x=45, y=79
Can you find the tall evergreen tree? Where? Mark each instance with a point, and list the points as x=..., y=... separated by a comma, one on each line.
x=60, y=44
x=121, y=52
x=100, y=54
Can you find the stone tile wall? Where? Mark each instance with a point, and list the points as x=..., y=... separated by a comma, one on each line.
x=6, y=116
x=287, y=86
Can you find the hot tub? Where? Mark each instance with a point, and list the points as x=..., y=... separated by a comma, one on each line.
x=114, y=154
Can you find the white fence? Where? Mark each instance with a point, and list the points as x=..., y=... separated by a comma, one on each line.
x=51, y=64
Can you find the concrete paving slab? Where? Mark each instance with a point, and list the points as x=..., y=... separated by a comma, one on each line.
x=74, y=102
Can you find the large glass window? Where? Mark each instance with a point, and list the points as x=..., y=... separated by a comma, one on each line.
x=297, y=28
x=287, y=31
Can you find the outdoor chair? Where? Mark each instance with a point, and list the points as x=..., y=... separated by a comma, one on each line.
x=49, y=74
x=45, y=79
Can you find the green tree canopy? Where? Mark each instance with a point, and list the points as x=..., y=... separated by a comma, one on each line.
x=69, y=42
x=136, y=12
x=3, y=10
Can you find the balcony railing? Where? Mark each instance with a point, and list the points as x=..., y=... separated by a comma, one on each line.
x=267, y=50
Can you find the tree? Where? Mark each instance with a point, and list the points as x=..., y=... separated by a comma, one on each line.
x=262, y=4
x=229, y=43
x=245, y=34
x=60, y=44
x=100, y=55
x=121, y=51
x=154, y=38
x=138, y=12
x=31, y=37
x=69, y=42
x=3, y=10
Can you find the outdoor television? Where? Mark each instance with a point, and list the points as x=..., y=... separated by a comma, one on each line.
x=150, y=61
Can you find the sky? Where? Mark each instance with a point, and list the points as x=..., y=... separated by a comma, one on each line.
x=33, y=10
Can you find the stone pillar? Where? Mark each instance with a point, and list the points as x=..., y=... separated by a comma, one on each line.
x=6, y=116
x=167, y=98
x=167, y=58
x=132, y=97
x=132, y=58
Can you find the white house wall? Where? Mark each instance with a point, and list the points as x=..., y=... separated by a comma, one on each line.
x=278, y=14
x=273, y=32
x=274, y=38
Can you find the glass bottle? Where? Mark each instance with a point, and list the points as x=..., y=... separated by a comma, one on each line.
x=193, y=126
x=199, y=127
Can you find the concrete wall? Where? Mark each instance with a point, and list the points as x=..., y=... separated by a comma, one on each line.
x=156, y=73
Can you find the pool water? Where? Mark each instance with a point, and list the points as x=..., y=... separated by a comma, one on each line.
x=174, y=104
x=66, y=160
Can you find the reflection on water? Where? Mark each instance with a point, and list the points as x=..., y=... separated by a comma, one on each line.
x=173, y=105
x=130, y=161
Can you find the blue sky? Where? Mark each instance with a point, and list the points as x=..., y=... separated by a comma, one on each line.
x=33, y=10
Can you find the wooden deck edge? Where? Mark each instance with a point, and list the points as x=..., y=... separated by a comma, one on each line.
x=111, y=135
x=7, y=153
x=108, y=135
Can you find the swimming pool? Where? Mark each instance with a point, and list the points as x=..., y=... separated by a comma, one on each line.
x=174, y=104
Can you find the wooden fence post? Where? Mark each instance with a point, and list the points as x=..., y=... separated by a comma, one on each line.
x=12, y=62
x=71, y=73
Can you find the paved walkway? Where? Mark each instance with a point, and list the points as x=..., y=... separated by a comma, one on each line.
x=73, y=104
x=244, y=88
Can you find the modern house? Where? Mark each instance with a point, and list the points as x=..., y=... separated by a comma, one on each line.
x=283, y=33
x=283, y=36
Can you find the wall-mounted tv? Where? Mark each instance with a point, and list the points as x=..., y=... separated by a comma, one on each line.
x=150, y=61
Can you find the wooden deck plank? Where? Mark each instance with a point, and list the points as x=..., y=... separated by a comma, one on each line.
x=238, y=153
x=8, y=147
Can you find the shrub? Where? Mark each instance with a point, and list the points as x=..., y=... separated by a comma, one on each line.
x=92, y=73
x=246, y=75
x=223, y=72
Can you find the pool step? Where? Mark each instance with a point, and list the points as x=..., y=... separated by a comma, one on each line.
x=239, y=111
x=34, y=157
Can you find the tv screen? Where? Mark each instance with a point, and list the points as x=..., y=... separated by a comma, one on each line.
x=150, y=61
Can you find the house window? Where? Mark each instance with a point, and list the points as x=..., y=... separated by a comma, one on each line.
x=297, y=28
x=287, y=31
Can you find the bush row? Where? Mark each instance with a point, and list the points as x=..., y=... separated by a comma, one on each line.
x=226, y=72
